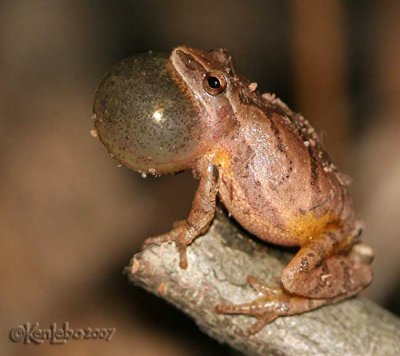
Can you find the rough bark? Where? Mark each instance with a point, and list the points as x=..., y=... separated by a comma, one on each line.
x=219, y=263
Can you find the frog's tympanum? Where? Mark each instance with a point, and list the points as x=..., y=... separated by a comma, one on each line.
x=160, y=114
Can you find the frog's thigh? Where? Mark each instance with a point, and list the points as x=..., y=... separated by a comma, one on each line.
x=315, y=272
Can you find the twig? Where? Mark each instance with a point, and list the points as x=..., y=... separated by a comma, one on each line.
x=219, y=263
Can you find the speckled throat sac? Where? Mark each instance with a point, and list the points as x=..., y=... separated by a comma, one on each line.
x=145, y=118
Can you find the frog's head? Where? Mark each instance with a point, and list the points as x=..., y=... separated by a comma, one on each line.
x=157, y=113
x=210, y=77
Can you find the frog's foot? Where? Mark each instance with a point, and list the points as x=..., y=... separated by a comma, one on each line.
x=266, y=308
x=272, y=303
x=179, y=234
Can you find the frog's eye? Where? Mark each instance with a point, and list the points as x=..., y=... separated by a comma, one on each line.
x=214, y=83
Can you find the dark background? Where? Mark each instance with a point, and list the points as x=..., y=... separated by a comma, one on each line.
x=70, y=219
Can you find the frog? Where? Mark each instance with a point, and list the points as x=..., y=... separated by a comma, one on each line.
x=159, y=113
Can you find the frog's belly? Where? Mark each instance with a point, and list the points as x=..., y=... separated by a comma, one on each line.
x=267, y=226
x=273, y=223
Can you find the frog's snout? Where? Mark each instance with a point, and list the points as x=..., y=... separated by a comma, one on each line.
x=144, y=118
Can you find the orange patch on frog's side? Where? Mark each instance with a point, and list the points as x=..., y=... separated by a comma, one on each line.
x=308, y=227
x=222, y=159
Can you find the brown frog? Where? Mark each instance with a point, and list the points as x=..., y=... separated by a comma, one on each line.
x=162, y=114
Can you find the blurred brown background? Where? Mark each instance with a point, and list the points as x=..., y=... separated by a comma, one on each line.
x=71, y=220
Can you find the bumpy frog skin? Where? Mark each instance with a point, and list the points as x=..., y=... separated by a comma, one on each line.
x=158, y=114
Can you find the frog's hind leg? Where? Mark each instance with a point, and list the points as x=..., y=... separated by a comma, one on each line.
x=313, y=278
x=272, y=303
x=322, y=269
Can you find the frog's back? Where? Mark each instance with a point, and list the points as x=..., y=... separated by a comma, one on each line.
x=281, y=185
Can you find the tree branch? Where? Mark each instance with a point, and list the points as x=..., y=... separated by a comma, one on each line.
x=219, y=263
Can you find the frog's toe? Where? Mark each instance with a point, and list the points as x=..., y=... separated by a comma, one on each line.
x=178, y=237
x=262, y=287
x=157, y=240
x=262, y=320
x=264, y=312
x=256, y=308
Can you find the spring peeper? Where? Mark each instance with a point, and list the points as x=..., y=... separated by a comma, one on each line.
x=160, y=114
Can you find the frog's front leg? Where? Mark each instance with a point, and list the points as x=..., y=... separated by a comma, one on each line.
x=201, y=213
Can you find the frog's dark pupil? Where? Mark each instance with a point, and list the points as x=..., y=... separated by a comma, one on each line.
x=213, y=82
